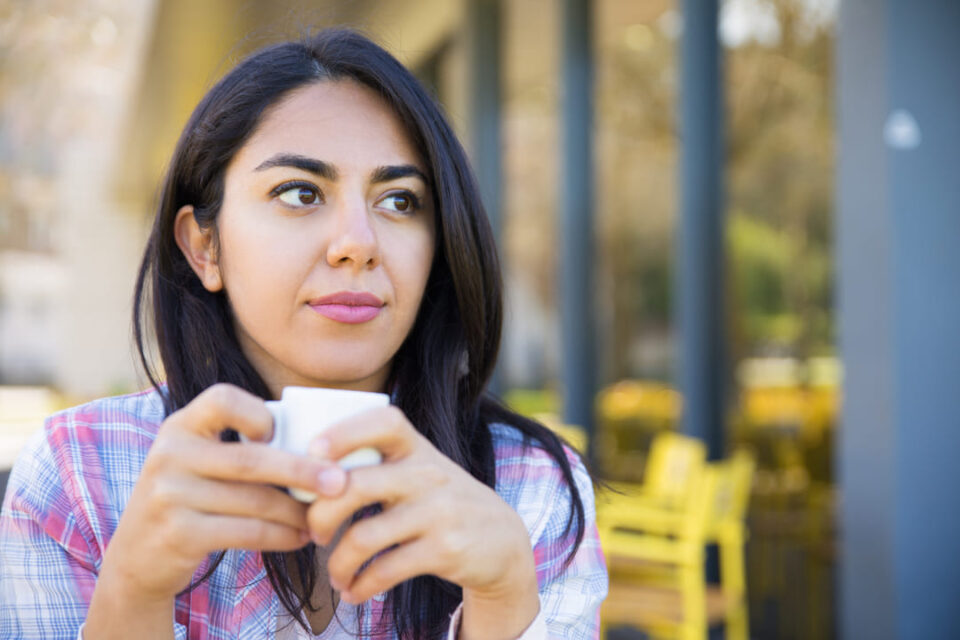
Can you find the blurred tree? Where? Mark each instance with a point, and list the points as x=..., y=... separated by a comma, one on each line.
x=55, y=57
x=779, y=177
x=636, y=87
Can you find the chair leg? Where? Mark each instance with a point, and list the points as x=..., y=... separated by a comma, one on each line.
x=693, y=587
x=737, y=624
x=733, y=583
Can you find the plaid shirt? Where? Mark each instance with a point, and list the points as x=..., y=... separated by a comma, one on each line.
x=69, y=487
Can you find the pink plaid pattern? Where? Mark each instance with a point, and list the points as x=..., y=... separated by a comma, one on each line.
x=71, y=483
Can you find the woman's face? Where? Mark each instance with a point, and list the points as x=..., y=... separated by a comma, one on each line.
x=326, y=239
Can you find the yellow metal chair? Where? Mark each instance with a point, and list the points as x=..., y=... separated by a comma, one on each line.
x=672, y=599
x=661, y=506
x=673, y=469
x=670, y=603
x=727, y=529
x=672, y=465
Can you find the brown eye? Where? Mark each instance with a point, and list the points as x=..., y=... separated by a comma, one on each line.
x=401, y=202
x=300, y=195
x=306, y=196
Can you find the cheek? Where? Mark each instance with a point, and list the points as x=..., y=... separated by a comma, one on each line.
x=258, y=269
x=419, y=260
x=410, y=263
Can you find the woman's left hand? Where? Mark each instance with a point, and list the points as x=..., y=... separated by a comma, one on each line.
x=444, y=521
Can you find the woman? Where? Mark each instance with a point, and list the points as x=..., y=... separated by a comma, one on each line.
x=319, y=226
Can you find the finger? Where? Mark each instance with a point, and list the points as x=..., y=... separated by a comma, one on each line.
x=222, y=406
x=390, y=569
x=369, y=536
x=233, y=532
x=252, y=462
x=385, y=429
x=387, y=484
x=237, y=499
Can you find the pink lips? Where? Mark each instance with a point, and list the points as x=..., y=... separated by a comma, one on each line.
x=348, y=306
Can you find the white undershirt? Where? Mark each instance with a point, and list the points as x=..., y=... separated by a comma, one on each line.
x=343, y=625
x=288, y=629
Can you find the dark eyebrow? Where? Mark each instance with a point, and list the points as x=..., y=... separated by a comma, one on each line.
x=394, y=172
x=329, y=172
x=318, y=167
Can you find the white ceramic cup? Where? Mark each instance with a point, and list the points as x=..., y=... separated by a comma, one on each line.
x=303, y=413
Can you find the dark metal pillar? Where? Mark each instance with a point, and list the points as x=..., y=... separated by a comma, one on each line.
x=578, y=362
x=485, y=107
x=925, y=203
x=486, y=122
x=699, y=282
x=899, y=257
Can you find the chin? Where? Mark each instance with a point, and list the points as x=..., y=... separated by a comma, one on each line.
x=353, y=371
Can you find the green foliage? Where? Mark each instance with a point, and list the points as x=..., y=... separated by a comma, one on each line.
x=765, y=265
x=779, y=168
x=529, y=402
x=760, y=257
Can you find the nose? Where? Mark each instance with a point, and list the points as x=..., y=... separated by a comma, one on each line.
x=354, y=240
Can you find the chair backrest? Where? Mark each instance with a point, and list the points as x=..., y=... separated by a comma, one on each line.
x=703, y=495
x=732, y=492
x=744, y=464
x=674, y=463
x=689, y=523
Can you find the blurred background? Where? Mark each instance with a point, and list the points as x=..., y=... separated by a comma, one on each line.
x=693, y=200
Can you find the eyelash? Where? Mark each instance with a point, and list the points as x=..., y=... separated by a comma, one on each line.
x=414, y=200
x=415, y=204
x=295, y=184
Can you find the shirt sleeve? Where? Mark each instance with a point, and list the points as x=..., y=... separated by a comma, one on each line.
x=536, y=631
x=47, y=564
x=50, y=534
x=571, y=594
x=571, y=589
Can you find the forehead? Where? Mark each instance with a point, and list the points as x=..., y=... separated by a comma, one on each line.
x=339, y=121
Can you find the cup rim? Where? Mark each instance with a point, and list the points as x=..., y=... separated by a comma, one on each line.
x=297, y=390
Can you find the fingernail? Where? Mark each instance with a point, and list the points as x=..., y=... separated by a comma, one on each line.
x=319, y=448
x=331, y=480
x=316, y=539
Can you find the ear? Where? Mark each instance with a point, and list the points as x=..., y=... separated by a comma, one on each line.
x=197, y=247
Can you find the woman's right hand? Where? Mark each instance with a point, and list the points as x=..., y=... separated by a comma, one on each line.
x=196, y=495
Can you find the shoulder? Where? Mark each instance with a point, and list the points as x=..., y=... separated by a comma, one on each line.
x=139, y=413
x=75, y=475
x=108, y=435
x=129, y=421
x=520, y=455
x=571, y=569
x=532, y=481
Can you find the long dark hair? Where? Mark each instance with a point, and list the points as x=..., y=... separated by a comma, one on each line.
x=459, y=322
